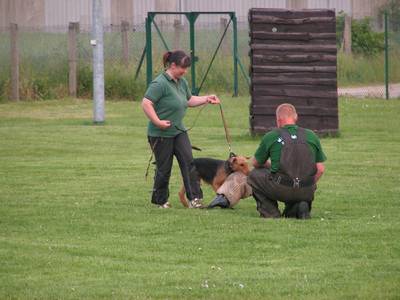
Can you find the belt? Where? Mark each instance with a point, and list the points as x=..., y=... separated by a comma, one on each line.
x=290, y=182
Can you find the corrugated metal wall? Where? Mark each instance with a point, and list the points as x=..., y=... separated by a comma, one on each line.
x=53, y=13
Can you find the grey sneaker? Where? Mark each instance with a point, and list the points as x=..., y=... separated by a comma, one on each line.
x=165, y=205
x=196, y=203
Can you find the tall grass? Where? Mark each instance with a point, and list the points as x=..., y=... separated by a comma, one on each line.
x=357, y=70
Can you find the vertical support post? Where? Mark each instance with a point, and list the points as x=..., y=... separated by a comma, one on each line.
x=192, y=20
x=73, y=29
x=14, y=62
x=347, y=35
x=125, y=44
x=98, y=61
x=224, y=46
x=235, y=56
x=149, y=62
x=177, y=33
x=386, y=57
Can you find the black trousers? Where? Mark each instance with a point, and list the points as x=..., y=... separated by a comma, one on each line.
x=268, y=192
x=164, y=150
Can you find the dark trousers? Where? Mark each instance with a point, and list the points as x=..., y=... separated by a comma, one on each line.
x=268, y=192
x=164, y=150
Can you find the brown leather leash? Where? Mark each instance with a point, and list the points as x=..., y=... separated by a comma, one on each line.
x=227, y=135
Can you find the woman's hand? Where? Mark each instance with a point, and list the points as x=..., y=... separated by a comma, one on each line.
x=148, y=109
x=163, y=124
x=213, y=99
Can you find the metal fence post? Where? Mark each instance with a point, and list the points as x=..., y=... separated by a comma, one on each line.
x=72, y=58
x=98, y=61
x=149, y=61
x=14, y=62
x=235, y=56
x=347, y=35
x=386, y=57
x=177, y=33
x=192, y=19
x=125, y=44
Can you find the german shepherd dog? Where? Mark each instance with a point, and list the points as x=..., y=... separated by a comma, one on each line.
x=214, y=172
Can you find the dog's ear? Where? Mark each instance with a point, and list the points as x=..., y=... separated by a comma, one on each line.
x=232, y=160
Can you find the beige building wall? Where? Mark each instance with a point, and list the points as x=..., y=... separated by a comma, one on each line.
x=121, y=10
x=53, y=13
x=362, y=8
x=29, y=13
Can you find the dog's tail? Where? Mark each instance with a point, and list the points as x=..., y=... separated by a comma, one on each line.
x=182, y=197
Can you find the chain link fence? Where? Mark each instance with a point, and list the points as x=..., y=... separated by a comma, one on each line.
x=372, y=67
x=44, y=58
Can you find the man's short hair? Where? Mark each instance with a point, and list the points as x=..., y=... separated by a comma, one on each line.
x=286, y=111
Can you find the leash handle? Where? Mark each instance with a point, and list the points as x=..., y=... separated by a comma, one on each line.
x=227, y=135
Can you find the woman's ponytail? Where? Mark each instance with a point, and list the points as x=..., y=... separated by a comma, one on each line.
x=166, y=57
x=179, y=57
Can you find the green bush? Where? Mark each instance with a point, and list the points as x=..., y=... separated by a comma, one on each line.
x=364, y=40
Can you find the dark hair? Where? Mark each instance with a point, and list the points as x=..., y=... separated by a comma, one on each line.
x=179, y=57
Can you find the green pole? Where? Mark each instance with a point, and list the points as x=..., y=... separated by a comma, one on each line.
x=192, y=19
x=149, y=62
x=386, y=57
x=235, y=56
x=140, y=62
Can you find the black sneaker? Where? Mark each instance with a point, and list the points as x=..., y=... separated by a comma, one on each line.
x=303, y=210
x=220, y=200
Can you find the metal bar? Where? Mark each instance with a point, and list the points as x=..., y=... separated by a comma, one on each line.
x=243, y=72
x=161, y=37
x=14, y=62
x=192, y=19
x=149, y=62
x=140, y=62
x=235, y=51
x=98, y=62
x=214, y=55
x=386, y=57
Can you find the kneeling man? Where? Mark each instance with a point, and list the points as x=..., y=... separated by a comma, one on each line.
x=287, y=165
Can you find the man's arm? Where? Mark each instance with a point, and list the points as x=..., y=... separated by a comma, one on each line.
x=267, y=164
x=320, y=170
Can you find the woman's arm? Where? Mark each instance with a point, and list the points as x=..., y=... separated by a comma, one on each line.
x=200, y=100
x=148, y=108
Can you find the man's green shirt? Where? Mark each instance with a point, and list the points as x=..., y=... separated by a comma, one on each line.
x=170, y=99
x=270, y=147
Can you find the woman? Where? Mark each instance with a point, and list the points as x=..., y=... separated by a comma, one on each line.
x=165, y=103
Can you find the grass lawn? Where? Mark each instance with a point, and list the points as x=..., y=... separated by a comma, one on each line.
x=76, y=220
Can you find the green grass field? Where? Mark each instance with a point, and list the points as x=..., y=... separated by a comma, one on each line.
x=76, y=221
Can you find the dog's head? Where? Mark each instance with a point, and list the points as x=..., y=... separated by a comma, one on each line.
x=239, y=164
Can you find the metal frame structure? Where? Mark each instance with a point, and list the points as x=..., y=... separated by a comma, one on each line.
x=191, y=17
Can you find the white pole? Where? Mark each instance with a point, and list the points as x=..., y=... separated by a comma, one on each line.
x=98, y=61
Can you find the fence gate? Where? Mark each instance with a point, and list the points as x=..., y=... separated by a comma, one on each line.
x=293, y=59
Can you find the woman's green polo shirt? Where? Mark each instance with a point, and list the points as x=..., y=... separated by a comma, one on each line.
x=170, y=99
x=270, y=147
